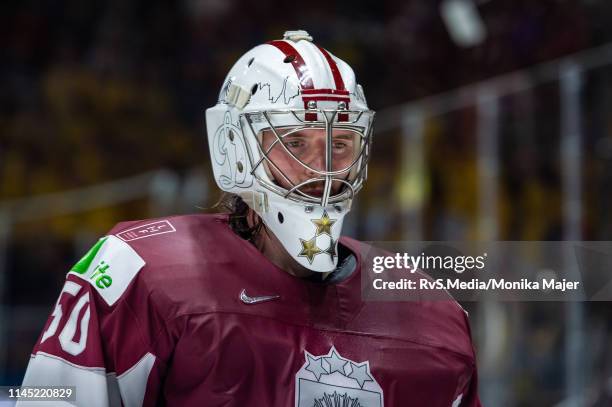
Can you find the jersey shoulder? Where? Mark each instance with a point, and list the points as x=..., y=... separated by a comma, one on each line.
x=174, y=236
x=436, y=320
x=156, y=259
x=172, y=233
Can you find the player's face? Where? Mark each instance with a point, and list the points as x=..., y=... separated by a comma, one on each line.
x=309, y=147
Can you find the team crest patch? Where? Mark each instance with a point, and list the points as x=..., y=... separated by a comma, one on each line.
x=334, y=381
x=148, y=230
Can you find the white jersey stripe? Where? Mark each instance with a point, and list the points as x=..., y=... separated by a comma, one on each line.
x=133, y=383
x=47, y=370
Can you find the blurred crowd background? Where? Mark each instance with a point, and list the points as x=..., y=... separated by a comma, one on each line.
x=108, y=98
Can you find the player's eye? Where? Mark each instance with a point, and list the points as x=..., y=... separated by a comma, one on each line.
x=293, y=144
x=342, y=145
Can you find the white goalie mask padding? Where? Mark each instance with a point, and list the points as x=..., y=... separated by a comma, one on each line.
x=284, y=89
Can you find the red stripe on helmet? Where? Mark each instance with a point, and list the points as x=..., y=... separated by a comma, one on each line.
x=302, y=71
x=340, y=94
x=334, y=69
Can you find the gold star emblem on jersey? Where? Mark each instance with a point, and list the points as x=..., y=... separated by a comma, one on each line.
x=323, y=225
x=309, y=249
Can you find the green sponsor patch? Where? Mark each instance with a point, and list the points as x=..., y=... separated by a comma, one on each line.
x=102, y=280
x=83, y=265
x=109, y=267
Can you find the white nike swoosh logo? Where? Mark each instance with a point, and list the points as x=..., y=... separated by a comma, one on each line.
x=255, y=300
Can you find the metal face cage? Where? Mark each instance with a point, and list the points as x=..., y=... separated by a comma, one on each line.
x=341, y=137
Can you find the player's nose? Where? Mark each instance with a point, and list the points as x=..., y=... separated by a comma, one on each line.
x=317, y=161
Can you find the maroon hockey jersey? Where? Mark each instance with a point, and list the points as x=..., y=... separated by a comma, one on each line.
x=183, y=312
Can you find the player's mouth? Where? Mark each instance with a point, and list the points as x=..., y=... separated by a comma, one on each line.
x=313, y=191
x=317, y=188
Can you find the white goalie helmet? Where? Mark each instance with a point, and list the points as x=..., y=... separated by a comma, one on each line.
x=291, y=135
